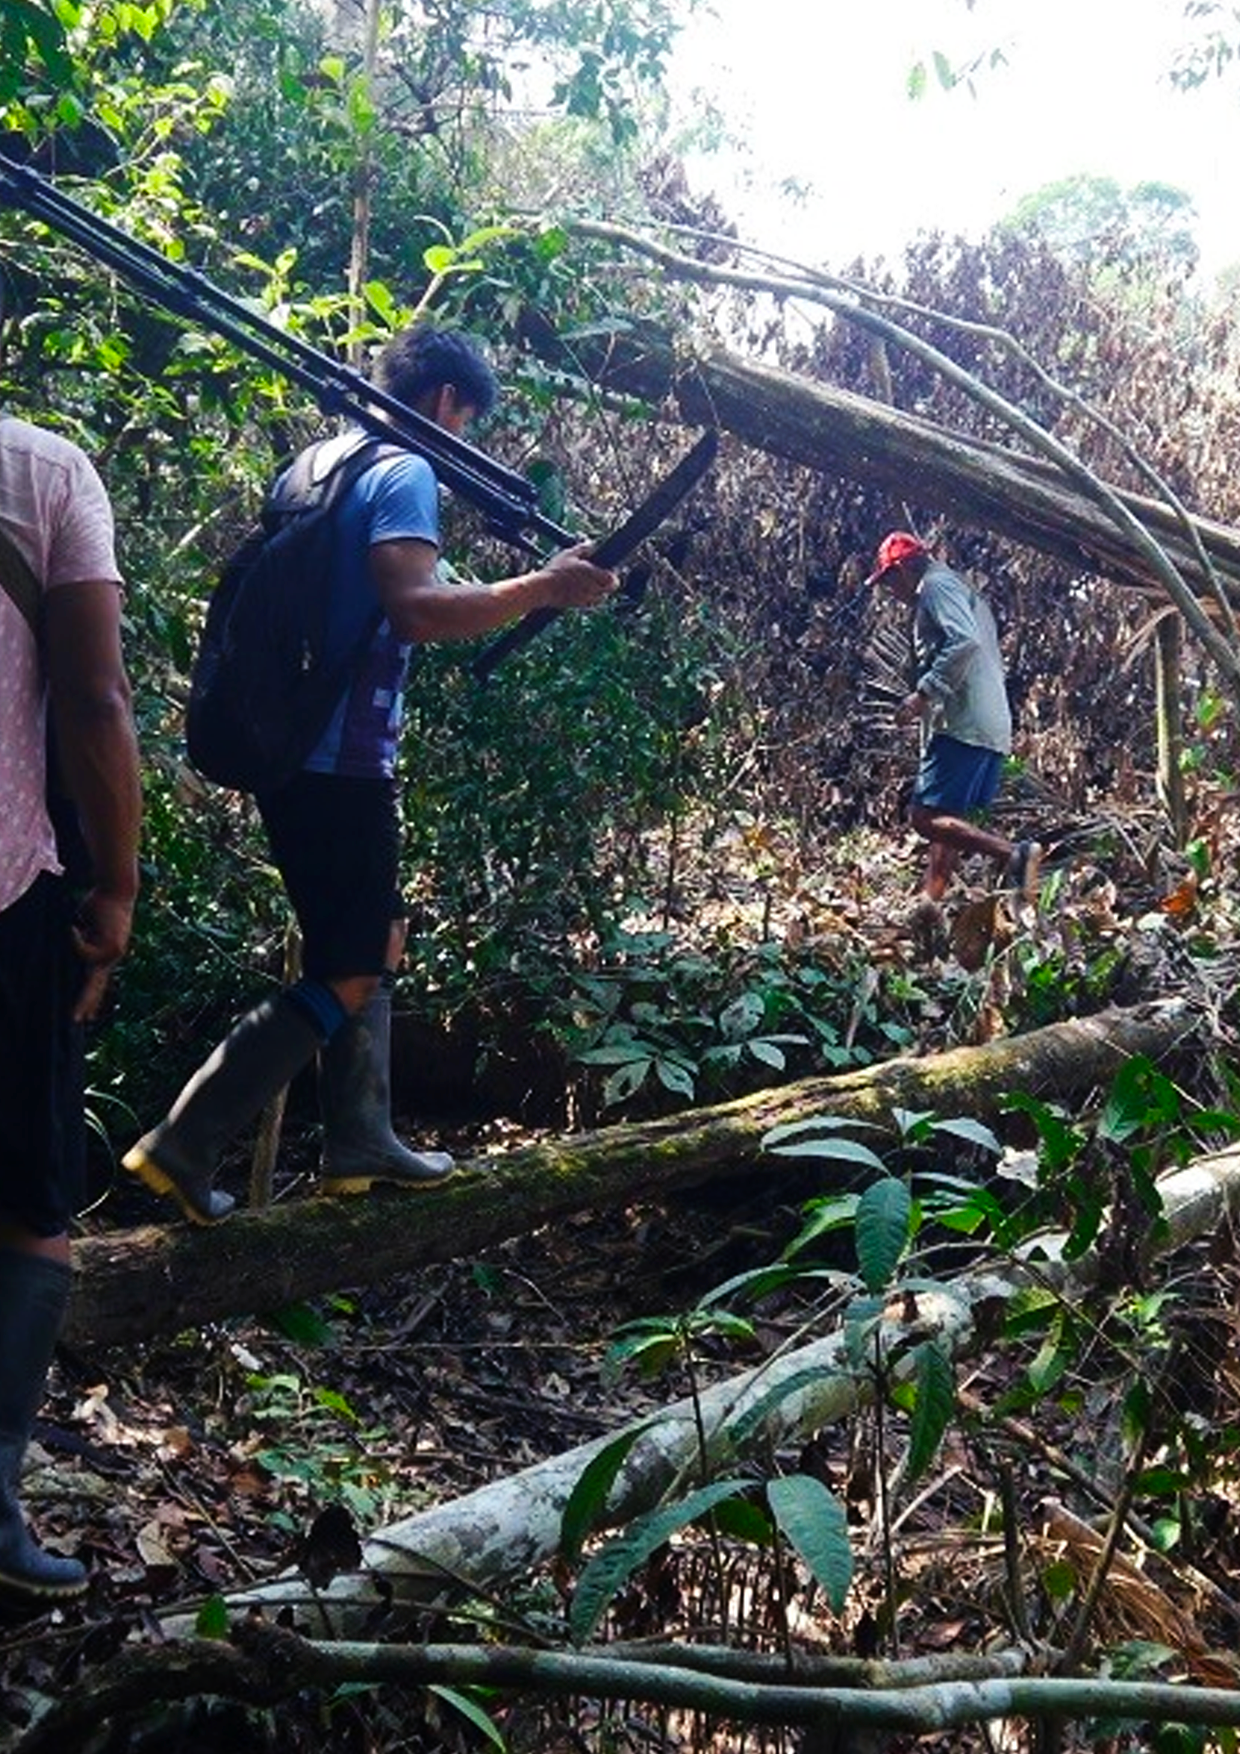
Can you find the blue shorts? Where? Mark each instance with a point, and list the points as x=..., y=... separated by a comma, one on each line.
x=957, y=776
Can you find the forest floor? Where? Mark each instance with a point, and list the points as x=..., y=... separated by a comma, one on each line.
x=198, y=1463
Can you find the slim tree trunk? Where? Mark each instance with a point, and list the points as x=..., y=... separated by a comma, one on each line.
x=1169, y=653
x=363, y=177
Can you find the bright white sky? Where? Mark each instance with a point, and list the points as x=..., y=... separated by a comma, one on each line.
x=817, y=89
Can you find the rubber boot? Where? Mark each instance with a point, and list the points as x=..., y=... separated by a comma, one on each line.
x=355, y=1096
x=33, y=1291
x=180, y=1156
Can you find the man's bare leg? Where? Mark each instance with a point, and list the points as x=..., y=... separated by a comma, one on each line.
x=940, y=869
x=951, y=837
x=958, y=837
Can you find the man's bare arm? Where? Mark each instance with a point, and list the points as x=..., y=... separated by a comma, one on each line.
x=98, y=752
x=422, y=609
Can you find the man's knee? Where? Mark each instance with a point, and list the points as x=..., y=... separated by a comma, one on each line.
x=355, y=991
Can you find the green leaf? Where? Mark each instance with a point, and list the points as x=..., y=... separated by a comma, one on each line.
x=1168, y=1532
x=862, y=1320
x=971, y=1131
x=615, y=1053
x=739, y=1429
x=818, y=1124
x=469, y=1708
x=814, y=1522
x=300, y=1322
x=883, y=1216
x=913, y=1124
x=336, y=1403
x=944, y=71
x=488, y=234
x=834, y=1213
x=615, y=1563
x=588, y=1498
x=379, y=297
x=650, y=1352
x=724, y=1323
x=438, y=258
x=626, y=1082
x=674, y=1077
x=1136, y=1413
x=1059, y=1580
x=831, y=1151
x=741, y=1017
x=759, y=1282
x=744, y=1520
x=767, y=1053
x=1140, y=1096
x=1060, y=1142
x=1052, y=1360
x=936, y=1402
x=211, y=1621
x=1162, y=1482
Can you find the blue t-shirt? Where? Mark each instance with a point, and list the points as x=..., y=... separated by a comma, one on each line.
x=398, y=499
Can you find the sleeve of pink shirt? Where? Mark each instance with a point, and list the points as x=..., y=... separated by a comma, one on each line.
x=83, y=537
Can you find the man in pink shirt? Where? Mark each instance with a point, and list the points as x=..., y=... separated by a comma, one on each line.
x=60, y=655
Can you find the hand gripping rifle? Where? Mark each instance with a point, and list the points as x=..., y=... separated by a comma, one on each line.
x=507, y=500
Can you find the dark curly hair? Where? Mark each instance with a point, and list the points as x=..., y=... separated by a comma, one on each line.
x=423, y=358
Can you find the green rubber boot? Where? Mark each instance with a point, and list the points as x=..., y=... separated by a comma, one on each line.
x=179, y=1157
x=355, y=1097
x=33, y=1292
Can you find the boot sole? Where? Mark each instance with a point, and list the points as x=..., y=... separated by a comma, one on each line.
x=14, y=1590
x=362, y=1184
x=148, y=1171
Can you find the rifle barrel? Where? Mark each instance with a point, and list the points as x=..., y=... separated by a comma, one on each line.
x=507, y=499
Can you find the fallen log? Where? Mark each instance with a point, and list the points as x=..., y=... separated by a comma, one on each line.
x=979, y=484
x=508, y=1528
x=161, y=1279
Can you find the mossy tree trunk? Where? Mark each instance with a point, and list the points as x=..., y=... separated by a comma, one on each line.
x=154, y=1280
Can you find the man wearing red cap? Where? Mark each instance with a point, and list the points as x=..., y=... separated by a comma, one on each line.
x=960, y=701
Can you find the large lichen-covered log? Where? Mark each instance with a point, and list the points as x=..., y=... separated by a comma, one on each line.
x=979, y=484
x=153, y=1280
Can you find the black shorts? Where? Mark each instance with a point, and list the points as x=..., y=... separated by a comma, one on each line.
x=42, y=1061
x=336, y=844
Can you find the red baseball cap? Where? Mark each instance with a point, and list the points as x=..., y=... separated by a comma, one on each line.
x=899, y=546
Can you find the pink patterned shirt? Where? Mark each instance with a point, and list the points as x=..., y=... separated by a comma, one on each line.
x=54, y=507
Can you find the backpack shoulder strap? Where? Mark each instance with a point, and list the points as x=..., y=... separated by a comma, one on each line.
x=301, y=486
x=18, y=582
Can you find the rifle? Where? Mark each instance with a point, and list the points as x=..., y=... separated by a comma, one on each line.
x=507, y=500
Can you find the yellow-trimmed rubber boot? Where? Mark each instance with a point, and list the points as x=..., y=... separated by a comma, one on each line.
x=355, y=1097
x=263, y=1053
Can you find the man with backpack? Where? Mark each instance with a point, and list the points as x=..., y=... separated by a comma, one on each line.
x=960, y=703
x=334, y=827
x=60, y=656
